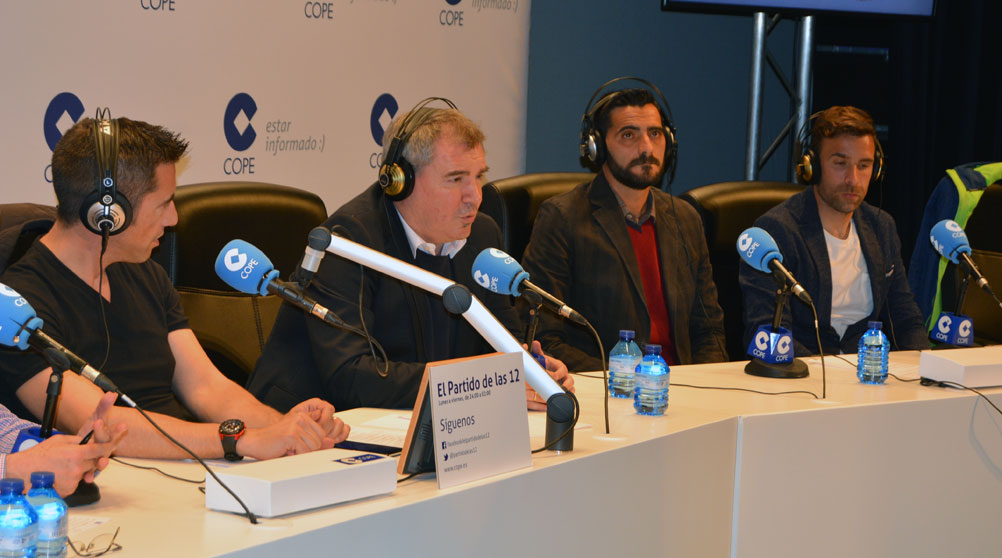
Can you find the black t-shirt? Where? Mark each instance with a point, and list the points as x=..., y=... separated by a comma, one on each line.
x=144, y=308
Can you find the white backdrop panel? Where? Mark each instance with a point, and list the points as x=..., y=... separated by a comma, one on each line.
x=296, y=82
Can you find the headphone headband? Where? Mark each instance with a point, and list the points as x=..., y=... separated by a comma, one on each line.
x=593, y=143
x=593, y=110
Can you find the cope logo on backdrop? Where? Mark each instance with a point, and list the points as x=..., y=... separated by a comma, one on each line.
x=280, y=135
x=239, y=132
x=162, y=6
x=383, y=111
x=455, y=17
x=319, y=10
x=237, y=127
x=64, y=110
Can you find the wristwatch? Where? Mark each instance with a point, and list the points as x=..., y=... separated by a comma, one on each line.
x=229, y=432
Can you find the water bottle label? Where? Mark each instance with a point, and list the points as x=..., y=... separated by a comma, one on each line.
x=17, y=539
x=623, y=367
x=51, y=530
x=646, y=381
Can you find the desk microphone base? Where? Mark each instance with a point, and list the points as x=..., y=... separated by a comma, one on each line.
x=796, y=368
x=86, y=493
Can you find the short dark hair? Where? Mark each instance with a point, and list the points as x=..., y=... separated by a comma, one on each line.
x=637, y=97
x=841, y=121
x=434, y=122
x=142, y=147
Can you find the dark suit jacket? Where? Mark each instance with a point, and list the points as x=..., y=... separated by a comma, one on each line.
x=796, y=227
x=581, y=252
x=305, y=357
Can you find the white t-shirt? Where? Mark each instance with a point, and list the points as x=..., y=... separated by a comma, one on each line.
x=852, y=300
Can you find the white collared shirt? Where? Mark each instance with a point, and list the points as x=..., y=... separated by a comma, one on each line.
x=417, y=243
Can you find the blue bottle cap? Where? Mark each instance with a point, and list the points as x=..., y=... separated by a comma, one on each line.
x=42, y=479
x=626, y=334
x=652, y=349
x=11, y=486
x=874, y=325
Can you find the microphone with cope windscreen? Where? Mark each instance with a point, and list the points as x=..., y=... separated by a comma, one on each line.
x=498, y=272
x=950, y=240
x=758, y=249
x=21, y=327
x=244, y=267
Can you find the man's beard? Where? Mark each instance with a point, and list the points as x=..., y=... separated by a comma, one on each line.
x=636, y=182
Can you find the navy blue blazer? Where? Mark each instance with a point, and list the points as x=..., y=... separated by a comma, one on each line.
x=796, y=227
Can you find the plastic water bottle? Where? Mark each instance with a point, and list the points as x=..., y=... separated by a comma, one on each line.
x=871, y=367
x=51, y=512
x=18, y=521
x=623, y=360
x=650, y=393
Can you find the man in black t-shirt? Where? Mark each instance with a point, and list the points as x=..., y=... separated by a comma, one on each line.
x=90, y=279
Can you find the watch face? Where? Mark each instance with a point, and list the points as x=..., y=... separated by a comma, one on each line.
x=231, y=427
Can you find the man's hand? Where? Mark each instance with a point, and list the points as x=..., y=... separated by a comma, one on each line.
x=322, y=413
x=295, y=433
x=557, y=370
x=64, y=456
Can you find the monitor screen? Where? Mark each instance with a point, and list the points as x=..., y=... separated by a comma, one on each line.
x=885, y=7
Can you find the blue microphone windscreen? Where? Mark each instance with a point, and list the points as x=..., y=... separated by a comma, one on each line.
x=242, y=266
x=949, y=239
x=15, y=313
x=498, y=272
x=757, y=249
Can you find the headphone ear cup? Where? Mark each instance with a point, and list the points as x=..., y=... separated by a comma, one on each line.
x=596, y=147
x=807, y=170
x=592, y=144
x=878, y=165
x=397, y=179
x=98, y=215
x=671, y=151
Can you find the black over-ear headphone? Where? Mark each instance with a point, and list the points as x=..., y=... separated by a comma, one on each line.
x=104, y=210
x=809, y=167
x=396, y=174
x=593, y=143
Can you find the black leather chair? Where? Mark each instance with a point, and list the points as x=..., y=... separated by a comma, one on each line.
x=513, y=203
x=984, y=232
x=727, y=209
x=983, y=311
x=30, y=220
x=983, y=229
x=233, y=327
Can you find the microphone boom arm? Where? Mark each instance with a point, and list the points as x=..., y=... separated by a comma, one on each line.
x=478, y=316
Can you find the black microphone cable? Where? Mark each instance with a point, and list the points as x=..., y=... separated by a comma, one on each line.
x=605, y=377
x=100, y=294
x=249, y=514
x=821, y=351
x=385, y=372
x=574, y=422
x=937, y=383
x=947, y=383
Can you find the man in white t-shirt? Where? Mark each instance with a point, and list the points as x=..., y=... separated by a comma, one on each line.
x=846, y=253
